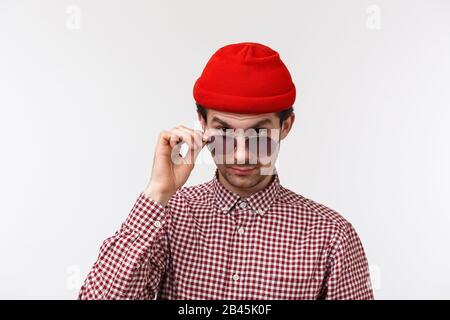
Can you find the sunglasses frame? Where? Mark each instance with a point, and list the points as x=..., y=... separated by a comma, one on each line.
x=231, y=133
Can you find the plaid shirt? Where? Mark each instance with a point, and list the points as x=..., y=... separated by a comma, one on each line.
x=209, y=243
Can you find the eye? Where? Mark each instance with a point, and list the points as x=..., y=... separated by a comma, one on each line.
x=260, y=130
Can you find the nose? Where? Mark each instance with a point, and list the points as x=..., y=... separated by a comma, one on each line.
x=241, y=152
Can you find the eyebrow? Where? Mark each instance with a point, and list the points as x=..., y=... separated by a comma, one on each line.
x=257, y=124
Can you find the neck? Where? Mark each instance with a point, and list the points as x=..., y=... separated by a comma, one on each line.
x=247, y=192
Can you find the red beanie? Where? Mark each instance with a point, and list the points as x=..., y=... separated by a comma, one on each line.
x=245, y=77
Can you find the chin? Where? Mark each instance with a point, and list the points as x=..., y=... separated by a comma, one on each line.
x=240, y=181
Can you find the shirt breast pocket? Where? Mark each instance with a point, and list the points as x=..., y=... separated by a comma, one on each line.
x=292, y=277
x=291, y=287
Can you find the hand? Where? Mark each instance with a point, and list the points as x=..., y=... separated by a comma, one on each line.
x=170, y=170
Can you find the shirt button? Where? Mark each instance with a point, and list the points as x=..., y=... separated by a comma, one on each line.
x=243, y=205
x=157, y=224
x=235, y=277
x=241, y=230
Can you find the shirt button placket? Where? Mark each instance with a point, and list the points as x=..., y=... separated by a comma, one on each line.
x=236, y=282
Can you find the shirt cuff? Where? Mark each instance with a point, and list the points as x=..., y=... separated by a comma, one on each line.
x=147, y=215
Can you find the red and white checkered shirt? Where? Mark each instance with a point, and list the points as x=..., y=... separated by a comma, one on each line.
x=209, y=243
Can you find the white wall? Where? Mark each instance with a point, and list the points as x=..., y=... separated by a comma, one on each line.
x=80, y=109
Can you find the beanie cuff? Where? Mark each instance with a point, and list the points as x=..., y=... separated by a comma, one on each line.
x=242, y=104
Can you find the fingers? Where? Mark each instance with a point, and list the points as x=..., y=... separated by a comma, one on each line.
x=197, y=135
x=183, y=136
x=177, y=136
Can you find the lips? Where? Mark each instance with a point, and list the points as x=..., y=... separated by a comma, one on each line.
x=241, y=171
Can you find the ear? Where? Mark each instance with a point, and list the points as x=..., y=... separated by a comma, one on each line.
x=201, y=120
x=287, y=126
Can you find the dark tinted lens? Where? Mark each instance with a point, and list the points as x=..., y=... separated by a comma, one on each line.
x=221, y=144
x=262, y=146
x=210, y=142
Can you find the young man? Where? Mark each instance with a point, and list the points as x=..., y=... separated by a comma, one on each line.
x=241, y=235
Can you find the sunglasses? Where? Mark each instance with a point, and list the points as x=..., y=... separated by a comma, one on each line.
x=259, y=143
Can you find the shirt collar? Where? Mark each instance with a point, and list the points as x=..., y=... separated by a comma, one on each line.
x=260, y=201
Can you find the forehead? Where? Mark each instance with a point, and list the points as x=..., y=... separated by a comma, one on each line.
x=241, y=120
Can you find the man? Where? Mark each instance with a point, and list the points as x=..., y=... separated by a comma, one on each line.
x=241, y=235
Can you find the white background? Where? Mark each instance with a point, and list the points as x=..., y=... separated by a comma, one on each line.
x=82, y=102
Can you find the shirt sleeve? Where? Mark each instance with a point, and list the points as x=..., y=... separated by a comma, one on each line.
x=131, y=263
x=349, y=277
